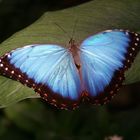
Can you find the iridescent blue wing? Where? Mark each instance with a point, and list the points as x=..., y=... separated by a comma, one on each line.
x=49, y=69
x=105, y=57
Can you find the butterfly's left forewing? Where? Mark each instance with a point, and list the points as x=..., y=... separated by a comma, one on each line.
x=49, y=69
x=105, y=57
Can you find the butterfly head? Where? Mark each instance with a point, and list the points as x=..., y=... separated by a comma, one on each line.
x=73, y=47
x=72, y=42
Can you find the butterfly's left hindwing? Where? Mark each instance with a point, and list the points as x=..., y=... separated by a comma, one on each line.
x=49, y=69
x=105, y=57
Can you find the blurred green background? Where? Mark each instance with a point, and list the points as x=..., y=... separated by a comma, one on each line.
x=34, y=119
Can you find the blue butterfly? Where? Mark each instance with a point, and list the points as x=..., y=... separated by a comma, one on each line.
x=92, y=71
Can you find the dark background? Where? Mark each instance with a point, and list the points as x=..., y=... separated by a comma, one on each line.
x=17, y=14
x=34, y=119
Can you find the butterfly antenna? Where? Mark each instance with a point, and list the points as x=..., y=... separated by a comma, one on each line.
x=62, y=30
x=74, y=27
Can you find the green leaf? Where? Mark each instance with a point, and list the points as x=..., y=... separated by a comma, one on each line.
x=57, y=27
x=12, y=92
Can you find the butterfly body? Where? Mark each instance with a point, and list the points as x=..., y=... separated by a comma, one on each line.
x=91, y=71
x=74, y=50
